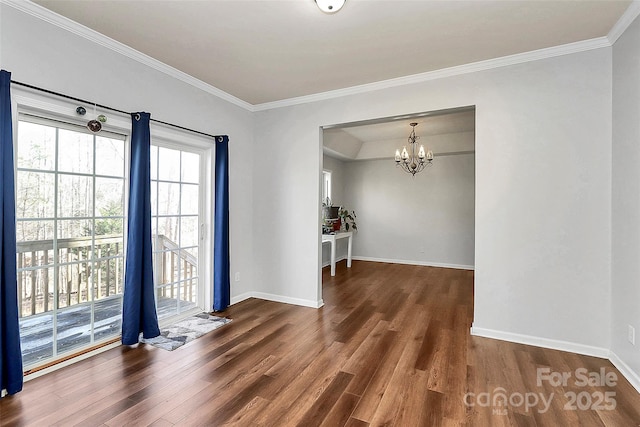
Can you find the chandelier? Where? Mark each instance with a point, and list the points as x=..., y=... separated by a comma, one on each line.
x=413, y=160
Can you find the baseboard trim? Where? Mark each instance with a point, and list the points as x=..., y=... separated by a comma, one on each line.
x=277, y=298
x=626, y=371
x=240, y=298
x=586, y=350
x=423, y=263
x=70, y=361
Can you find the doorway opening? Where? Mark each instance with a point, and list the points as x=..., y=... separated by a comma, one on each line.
x=427, y=219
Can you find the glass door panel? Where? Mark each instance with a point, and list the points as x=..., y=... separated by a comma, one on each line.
x=176, y=204
x=70, y=237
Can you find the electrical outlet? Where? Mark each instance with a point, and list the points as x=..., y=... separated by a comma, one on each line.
x=632, y=335
x=237, y=276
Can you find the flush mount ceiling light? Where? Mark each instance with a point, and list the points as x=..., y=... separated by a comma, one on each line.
x=415, y=159
x=330, y=6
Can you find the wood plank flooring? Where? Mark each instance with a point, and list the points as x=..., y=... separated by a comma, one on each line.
x=391, y=346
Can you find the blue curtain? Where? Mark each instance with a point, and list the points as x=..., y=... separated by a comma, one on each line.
x=139, y=310
x=10, y=353
x=221, y=279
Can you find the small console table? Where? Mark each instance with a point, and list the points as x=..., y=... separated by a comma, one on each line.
x=331, y=238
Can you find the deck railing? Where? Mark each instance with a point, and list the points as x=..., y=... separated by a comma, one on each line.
x=80, y=274
x=175, y=265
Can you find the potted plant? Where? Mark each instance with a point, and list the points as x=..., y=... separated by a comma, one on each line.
x=328, y=210
x=330, y=218
x=348, y=219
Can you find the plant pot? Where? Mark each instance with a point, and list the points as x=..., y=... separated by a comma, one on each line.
x=330, y=212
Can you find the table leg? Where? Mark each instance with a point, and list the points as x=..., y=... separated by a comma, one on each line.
x=333, y=257
x=349, y=245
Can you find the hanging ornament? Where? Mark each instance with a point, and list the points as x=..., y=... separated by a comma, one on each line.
x=94, y=125
x=81, y=111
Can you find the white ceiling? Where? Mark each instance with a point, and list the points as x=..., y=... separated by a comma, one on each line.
x=267, y=50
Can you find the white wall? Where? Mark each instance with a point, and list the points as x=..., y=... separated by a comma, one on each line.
x=543, y=193
x=41, y=54
x=626, y=201
x=426, y=219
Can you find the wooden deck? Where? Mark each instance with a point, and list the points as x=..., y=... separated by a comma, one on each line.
x=73, y=327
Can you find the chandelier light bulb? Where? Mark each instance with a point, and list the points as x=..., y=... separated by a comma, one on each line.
x=330, y=6
x=421, y=152
x=405, y=154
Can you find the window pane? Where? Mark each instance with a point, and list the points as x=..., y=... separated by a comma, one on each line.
x=108, y=227
x=73, y=229
x=192, y=253
x=35, y=289
x=107, y=276
x=107, y=318
x=168, y=228
x=35, y=195
x=109, y=197
x=109, y=156
x=190, y=167
x=167, y=302
x=34, y=230
x=36, y=146
x=73, y=283
x=36, y=339
x=73, y=327
x=75, y=152
x=169, y=164
x=109, y=246
x=168, y=267
x=168, y=199
x=189, y=231
x=189, y=199
x=187, y=295
x=34, y=255
x=75, y=196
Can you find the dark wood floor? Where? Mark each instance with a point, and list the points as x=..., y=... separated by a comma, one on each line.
x=391, y=346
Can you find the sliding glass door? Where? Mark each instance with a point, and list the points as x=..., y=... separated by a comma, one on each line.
x=70, y=236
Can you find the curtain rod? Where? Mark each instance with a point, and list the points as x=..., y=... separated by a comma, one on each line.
x=73, y=98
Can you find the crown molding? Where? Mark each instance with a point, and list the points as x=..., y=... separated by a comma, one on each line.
x=67, y=24
x=64, y=23
x=519, y=58
x=625, y=20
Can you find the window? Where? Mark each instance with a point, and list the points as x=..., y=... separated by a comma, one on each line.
x=70, y=236
x=71, y=195
x=326, y=185
x=176, y=228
